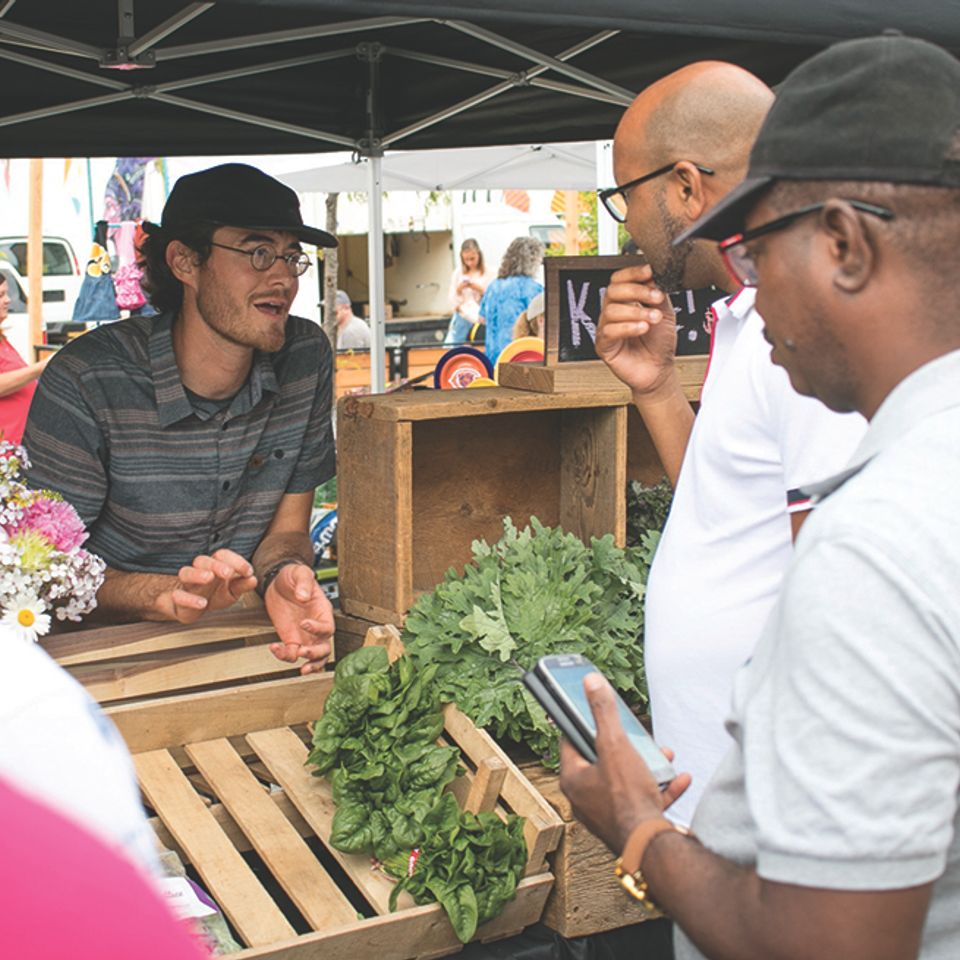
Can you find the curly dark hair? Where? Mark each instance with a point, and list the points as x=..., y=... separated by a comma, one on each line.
x=162, y=287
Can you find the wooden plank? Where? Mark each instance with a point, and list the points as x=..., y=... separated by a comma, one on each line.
x=485, y=789
x=416, y=932
x=448, y=404
x=587, y=898
x=544, y=828
x=122, y=681
x=229, y=825
x=593, y=473
x=278, y=844
x=374, y=509
x=564, y=378
x=369, y=611
x=228, y=878
x=468, y=477
x=221, y=713
x=284, y=755
x=115, y=642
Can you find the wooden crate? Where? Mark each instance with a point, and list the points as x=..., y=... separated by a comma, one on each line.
x=586, y=897
x=225, y=772
x=423, y=474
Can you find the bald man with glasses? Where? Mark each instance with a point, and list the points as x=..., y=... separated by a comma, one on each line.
x=191, y=442
x=737, y=466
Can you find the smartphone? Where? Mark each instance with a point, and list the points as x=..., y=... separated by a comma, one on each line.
x=561, y=675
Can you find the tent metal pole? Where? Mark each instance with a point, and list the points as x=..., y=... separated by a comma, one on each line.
x=494, y=91
x=518, y=79
x=163, y=30
x=62, y=71
x=375, y=274
x=252, y=119
x=575, y=91
x=252, y=70
x=372, y=148
x=46, y=41
x=284, y=36
x=551, y=63
x=64, y=108
x=607, y=231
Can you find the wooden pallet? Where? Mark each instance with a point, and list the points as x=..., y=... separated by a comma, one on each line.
x=224, y=771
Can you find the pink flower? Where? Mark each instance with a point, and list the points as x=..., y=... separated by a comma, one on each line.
x=56, y=520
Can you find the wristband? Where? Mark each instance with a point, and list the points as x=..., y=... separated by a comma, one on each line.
x=271, y=574
x=627, y=868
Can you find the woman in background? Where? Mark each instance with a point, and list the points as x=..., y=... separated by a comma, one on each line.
x=467, y=286
x=510, y=294
x=17, y=378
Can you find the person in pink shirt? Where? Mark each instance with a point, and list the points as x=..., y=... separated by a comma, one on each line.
x=17, y=378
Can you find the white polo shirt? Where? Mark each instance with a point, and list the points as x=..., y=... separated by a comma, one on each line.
x=728, y=541
x=844, y=766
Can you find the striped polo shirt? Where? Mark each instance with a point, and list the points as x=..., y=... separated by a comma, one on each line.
x=161, y=476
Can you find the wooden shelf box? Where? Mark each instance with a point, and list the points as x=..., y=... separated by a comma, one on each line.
x=224, y=771
x=422, y=474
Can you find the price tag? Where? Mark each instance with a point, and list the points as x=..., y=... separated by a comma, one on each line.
x=185, y=899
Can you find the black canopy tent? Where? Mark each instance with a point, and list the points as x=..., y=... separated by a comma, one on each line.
x=165, y=77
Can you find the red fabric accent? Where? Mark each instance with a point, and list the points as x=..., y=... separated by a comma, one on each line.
x=15, y=406
x=67, y=895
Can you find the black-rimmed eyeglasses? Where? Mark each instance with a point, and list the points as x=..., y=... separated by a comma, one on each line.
x=615, y=198
x=263, y=257
x=737, y=256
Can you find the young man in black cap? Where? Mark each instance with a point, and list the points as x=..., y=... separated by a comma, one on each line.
x=191, y=442
x=832, y=828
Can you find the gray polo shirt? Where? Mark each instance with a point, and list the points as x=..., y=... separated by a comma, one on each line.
x=160, y=475
x=845, y=767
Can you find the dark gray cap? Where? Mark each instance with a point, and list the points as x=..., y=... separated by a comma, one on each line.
x=883, y=109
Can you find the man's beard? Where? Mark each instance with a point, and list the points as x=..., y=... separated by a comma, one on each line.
x=670, y=277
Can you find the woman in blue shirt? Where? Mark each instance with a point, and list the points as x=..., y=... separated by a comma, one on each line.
x=508, y=296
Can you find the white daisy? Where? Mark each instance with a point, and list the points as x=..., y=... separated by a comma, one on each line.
x=26, y=618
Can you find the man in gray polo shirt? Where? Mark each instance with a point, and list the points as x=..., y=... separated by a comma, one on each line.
x=190, y=443
x=832, y=828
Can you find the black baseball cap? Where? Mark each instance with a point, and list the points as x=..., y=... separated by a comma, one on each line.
x=238, y=195
x=883, y=109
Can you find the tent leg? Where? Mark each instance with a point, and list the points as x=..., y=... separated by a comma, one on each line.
x=375, y=269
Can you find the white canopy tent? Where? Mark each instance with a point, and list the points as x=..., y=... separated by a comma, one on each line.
x=568, y=166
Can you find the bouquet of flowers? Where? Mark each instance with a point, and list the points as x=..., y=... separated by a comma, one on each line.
x=43, y=569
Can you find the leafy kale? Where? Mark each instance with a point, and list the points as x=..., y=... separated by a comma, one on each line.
x=535, y=592
x=378, y=737
x=377, y=742
x=470, y=863
x=647, y=509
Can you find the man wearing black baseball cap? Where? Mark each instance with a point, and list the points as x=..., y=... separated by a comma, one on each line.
x=832, y=828
x=191, y=442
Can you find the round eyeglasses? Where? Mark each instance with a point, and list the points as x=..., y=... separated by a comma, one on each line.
x=738, y=258
x=263, y=257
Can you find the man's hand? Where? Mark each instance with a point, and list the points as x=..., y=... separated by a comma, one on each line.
x=617, y=793
x=637, y=333
x=209, y=583
x=302, y=617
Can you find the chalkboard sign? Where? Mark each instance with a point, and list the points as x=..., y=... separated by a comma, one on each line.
x=575, y=287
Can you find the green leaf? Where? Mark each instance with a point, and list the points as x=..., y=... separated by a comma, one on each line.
x=460, y=905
